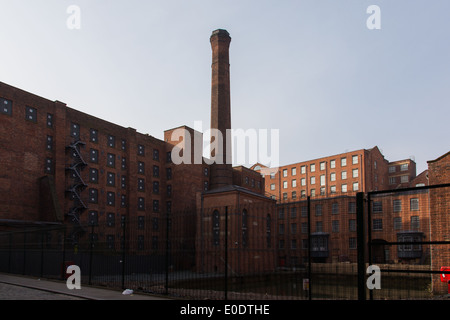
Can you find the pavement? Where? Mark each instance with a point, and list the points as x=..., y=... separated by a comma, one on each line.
x=14, y=287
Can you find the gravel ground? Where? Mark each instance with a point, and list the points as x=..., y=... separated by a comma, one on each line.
x=10, y=292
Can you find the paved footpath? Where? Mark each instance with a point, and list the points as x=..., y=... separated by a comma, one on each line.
x=13, y=287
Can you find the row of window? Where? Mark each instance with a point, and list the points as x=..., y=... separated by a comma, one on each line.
x=377, y=206
x=111, y=142
x=319, y=209
x=141, y=244
x=317, y=244
x=111, y=200
x=377, y=224
x=322, y=179
x=322, y=166
x=322, y=191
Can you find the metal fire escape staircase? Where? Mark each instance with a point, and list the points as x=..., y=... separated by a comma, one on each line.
x=77, y=186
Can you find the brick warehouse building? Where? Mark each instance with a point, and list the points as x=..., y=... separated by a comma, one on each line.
x=59, y=165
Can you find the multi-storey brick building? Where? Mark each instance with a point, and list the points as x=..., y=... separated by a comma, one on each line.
x=59, y=165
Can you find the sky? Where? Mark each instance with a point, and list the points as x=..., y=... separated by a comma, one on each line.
x=311, y=69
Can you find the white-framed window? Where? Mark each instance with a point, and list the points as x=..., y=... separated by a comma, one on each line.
x=333, y=176
x=333, y=164
x=313, y=168
x=355, y=186
x=303, y=169
x=343, y=162
x=285, y=184
x=313, y=180
x=414, y=204
x=397, y=204
x=355, y=159
x=272, y=186
x=355, y=173
x=322, y=165
x=285, y=172
x=404, y=179
x=303, y=181
x=293, y=171
x=322, y=180
x=344, y=175
x=333, y=189
x=344, y=188
x=404, y=167
x=294, y=183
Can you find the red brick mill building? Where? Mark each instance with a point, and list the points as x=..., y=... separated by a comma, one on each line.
x=62, y=166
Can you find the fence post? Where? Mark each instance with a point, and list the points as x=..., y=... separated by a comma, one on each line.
x=226, y=253
x=90, y=253
x=360, y=227
x=309, y=247
x=123, y=251
x=167, y=253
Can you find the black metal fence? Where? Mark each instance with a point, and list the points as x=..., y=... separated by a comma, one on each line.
x=309, y=249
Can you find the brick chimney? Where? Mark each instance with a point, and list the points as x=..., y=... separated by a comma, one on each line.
x=221, y=170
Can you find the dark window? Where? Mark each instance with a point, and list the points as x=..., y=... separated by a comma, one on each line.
x=123, y=201
x=110, y=219
x=154, y=242
x=111, y=179
x=75, y=130
x=141, y=203
x=111, y=160
x=156, y=154
x=124, y=163
x=141, y=167
x=5, y=106
x=110, y=198
x=111, y=141
x=93, y=175
x=141, y=222
x=156, y=171
x=141, y=150
x=123, y=182
x=48, y=165
x=93, y=136
x=49, y=120
x=155, y=205
x=155, y=187
x=377, y=206
x=93, y=195
x=49, y=143
x=141, y=184
x=31, y=114
x=205, y=185
x=124, y=145
x=140, y=242
x=110, y=241
x=169, y=207
x=169, y=157
x=169, y=173
x=155, y=226
x=169, y=190
x=93, y=218
x=352, y=207
x=94, y=156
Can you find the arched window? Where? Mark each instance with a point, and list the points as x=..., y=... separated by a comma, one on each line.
x=268, y=231
x=216, y=228
x=244, y=228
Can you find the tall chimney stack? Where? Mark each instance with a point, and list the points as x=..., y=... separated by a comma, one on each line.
x=221, y=170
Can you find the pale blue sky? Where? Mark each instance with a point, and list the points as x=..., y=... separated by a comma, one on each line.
x=309, y=68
